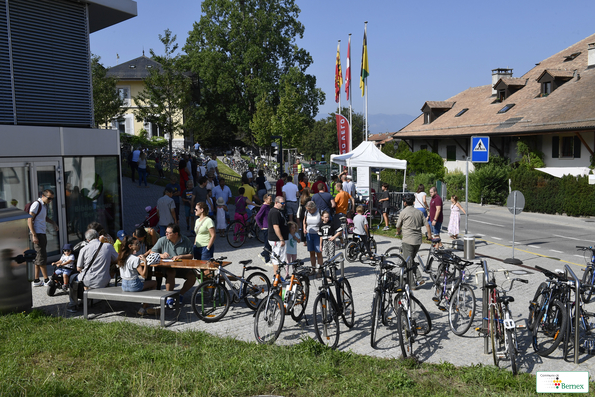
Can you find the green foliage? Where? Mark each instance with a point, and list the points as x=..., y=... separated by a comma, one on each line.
x=394, y=178
x=455, y=184
x=142, y=141
x=245, y=52
x=488, y=185
x=424, y=161
x=107, y=104
x=530, y=157
x=426, y=179
x=502, y=162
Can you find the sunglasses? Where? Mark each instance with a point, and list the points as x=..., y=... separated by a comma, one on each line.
x=50, y=198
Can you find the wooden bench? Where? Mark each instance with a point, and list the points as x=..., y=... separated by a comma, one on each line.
x=149, y=296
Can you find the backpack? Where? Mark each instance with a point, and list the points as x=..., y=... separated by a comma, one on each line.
x=27, y=208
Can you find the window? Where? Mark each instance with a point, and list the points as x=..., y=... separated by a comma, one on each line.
x=546, y=88
x=427, y=118
x=423, y=147
x=501, y=95
x=152, y=129
x=451, y=153
x=566, y=147
x=506, y=108
x=124, y=94
x=462, y=112
x=124, y=125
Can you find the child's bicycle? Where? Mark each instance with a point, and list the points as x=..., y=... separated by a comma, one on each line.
x=356, y=248
x=56, y=282
x=238, y=232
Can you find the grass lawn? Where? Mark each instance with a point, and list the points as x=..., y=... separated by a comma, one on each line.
x=49, y=356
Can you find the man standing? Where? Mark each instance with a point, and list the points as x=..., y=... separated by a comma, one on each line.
x=224, y=192
x=410, y=221
x=279, y=185
x=342, y=199
x=323, y=200
x=436, y=215
x=37, y=229
x=176, y=192
x=196, y=148
x=134, y=162
x=199, y=193
x=93, y=265
x=213, y=166
x=349, y=186
x=278, y=232
x=166, y=211
x=290, y=196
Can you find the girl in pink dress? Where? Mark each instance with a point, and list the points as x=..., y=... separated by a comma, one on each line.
x=455, y=217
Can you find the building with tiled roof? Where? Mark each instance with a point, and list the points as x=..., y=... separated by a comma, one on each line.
x=380, y=139
x=552, y=106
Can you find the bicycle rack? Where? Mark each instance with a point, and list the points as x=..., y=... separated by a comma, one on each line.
x=484, y=306
x=577, y=285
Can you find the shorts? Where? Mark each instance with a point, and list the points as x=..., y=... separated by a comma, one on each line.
x=135, y=285
x=291, y=207
x=279, y=250
x=62, y=270
x=313, y=241
x=203, y=253
x=436, y=229
x=385, y=210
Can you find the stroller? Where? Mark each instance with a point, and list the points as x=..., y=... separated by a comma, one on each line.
x=57, y=277
x=151, y=219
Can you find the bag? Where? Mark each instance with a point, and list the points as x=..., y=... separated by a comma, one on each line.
x=27, y=208
x=78, y=285
x=331, y=210
x=267, y=185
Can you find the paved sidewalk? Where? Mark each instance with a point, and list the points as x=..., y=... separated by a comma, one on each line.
x=438, y=346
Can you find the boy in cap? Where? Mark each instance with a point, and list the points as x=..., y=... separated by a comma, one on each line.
x=65, y=265
x=121, y=234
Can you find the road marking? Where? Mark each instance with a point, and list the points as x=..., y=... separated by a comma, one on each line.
x=559, y=252
x=487, y=223
x=571, y=238
x=580, y=256
x=533, y=246
x=496, y=238
x=535, y=253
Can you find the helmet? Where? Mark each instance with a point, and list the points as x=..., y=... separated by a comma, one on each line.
x=153, y=259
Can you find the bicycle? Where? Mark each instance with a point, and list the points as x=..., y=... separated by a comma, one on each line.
x=383, y=308
x=585, y=325
x=238, y=232
x=589, y=275
x=501, y=326
x=329, y=305
x=211, y=298
x=356, y=248
x=283, y=297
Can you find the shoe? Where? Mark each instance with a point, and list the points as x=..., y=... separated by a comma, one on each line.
x=386, y=228
x=142, y=311
x=262, y=258
x=72, y=309
x=65, y=288
x=419, y=284
x=170, y=303
x=47, y=281
x=38, y=283
x=250, y=235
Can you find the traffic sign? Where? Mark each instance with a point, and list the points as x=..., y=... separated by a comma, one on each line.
x=515, y=202
x=480, y=149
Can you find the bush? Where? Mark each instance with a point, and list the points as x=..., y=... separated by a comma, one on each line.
x=488, y=185
x=428, y=180
x=455, y=184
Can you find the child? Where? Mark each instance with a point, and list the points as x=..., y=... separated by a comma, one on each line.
x=360, y=228
x=292, y=242
x=65, y=265
x=187, y=200
x=221, y=211
x=118, y=244
x=455, y=217
x=133, y=270
x=328, y=231
x=383, y=200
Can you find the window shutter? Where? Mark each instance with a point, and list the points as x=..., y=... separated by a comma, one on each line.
x=555, y=147
x=577, y=147
x=6, y=108
x=147, y=127
x=129, y=124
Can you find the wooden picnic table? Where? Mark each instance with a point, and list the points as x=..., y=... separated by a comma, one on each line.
x=197, y=265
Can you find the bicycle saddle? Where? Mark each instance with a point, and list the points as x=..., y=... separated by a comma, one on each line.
x=505, y=299
x=246, y=262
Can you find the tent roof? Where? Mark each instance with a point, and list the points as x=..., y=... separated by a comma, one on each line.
x=559, y=172
x=368, y=155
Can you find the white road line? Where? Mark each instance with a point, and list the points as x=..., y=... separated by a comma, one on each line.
x=486, y=223
x=580, y=256
x=496, y=238
x=570, y=238
x=533, y=246
x=559, y=252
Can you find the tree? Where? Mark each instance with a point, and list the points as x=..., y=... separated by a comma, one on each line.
x=166, y=93
x=107, y=104
x=245, y=54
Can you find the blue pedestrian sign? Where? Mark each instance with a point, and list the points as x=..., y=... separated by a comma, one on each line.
x=480, y=149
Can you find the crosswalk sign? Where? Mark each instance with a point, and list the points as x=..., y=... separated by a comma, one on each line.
x=480, y=149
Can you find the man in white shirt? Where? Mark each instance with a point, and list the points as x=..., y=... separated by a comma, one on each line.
x=135, y=158
x=213, y=166
x=37, y=232
x=166, y=211
x=349, y=186
x=291, y=194
x=222, y=191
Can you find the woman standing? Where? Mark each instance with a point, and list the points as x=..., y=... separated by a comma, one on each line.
x=455, y=217
x=262, y=220
x=261, y=189
x=311, y=226
x=304, y=199
x=420, y=200
x=142, y=169
x=204, y=244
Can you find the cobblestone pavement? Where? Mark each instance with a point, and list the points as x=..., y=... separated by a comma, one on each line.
x=440, y=345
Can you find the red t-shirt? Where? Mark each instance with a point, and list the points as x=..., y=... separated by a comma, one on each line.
x=436, y=202
x=279, y=187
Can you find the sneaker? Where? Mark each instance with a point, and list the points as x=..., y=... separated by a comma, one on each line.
x=65, y=288
x=47, y=281
x=142, y=311
x=72, y=309
x=170, y=303
x=386, y=228
x=262, y=258
x=38, y=283
x=250, y=235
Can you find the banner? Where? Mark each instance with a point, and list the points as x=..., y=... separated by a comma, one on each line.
x=348, y=69
x=338, y=75
x=343, y=135
x=365, y=69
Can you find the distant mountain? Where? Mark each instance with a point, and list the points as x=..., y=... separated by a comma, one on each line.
x=381, y=123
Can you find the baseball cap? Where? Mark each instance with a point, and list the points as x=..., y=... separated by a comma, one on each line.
x=121, y=234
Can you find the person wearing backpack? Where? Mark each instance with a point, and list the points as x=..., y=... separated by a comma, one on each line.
x=37, y=230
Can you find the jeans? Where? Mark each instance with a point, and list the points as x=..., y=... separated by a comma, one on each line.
x=133, y=168
x=267, y=246
x=135, y=285
x=142, y=176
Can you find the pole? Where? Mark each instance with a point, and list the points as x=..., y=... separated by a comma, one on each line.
x=350, y=146
x=467, y=198
x=339, y=60
x=513, y=221
x=366, y=82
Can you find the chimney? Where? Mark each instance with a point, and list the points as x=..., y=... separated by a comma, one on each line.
x=498, y=74
x=591, y=55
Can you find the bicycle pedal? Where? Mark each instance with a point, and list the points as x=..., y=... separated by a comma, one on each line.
x=442, y=308
x=501, y=355
x=436, y=299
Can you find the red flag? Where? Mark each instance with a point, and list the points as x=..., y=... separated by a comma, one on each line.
x=338, y=75
x=348, y=69
x=343, y=135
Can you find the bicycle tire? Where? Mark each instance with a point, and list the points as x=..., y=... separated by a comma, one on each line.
x=373, y=246
x=405, y=334
x=587, y=279
x=428, y=269
x=494, y=334
x=236, y=234
x=461, y=309
x=210, y=301
x=258, y=232
x=421, y=319
x=269, y=319
x=326, y=321
x=376, y=317
x=352, y=251
x=301, y=296
x=348, y=312
x=549, y=328
x=536, y=304
x=512, y=351
x=394, y=252
x=259, y=285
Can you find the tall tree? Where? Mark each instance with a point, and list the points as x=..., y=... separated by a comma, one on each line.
x=107, y=104
x=241, y=50
x=166, y=93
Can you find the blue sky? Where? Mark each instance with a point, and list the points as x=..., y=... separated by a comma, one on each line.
x=418, y=51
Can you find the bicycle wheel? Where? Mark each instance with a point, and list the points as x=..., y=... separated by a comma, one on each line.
x=512, y=350
x=587, y=279
x=236, y=234
x=394, y=252
x=536, y=304
x=347, y=302
x=429, y=270
x=326, y=321
x=405, y=334
x=494, y=334
x=352, y=251
x=549, y=328
x=210, y=301
x=269, y=319
x=258, y=232
x=421, y=322
x=256, y=288
x=376, y=317
x=373, y=246
x=300, y=297
x=461, y=310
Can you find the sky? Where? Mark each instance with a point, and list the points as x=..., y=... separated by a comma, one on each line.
x=417, y=51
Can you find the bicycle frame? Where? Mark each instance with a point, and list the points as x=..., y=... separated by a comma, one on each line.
x=224, y=274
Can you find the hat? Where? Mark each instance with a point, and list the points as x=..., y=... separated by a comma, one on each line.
x=348, y=176
x=121, y=234
x=67, y=247
x=148, y=208
x=220, y=201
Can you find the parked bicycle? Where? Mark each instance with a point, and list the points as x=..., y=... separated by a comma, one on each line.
x=332, y=303
x=589, y=275
x=356, y=248
x=238, y=232
x=211, y=299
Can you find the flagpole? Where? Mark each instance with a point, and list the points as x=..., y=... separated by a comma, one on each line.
x=338, y=52
x=366, y=81
x=350, y=120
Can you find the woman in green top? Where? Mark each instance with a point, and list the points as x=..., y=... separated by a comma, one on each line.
x=204, y=245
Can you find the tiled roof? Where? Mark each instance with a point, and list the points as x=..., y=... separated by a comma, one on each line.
x=380, y=139
x=514, y=82
x=438, y=105
x=136, y=69
x=557, y=74
x=570, y=106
